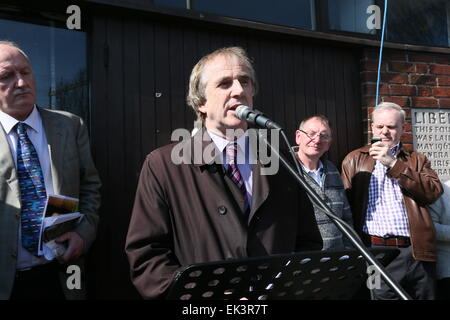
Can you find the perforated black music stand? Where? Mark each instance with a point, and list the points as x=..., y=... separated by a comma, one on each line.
x=316, y=275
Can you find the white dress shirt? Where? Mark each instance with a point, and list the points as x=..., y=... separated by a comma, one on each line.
x=317, y=175
x=36, y=133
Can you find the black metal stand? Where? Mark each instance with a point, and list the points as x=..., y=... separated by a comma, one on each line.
x=316, y=275
x=342, y=226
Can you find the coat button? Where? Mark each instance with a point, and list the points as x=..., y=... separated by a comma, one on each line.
x=212, y=169
x=222, y=210
x=14, y=255
x=17, y=216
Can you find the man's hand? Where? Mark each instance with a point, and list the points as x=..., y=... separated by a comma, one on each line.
x=75, y=246
x=381, y=152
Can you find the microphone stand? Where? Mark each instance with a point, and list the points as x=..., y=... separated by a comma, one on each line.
x=342, y=226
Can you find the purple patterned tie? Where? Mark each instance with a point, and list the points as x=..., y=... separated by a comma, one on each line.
x=234, y=173
x=32, y=190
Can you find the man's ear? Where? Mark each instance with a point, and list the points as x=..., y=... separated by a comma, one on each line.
x=202, y=109
x=297, y=137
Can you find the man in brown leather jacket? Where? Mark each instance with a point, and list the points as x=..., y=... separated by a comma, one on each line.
x=388, y=190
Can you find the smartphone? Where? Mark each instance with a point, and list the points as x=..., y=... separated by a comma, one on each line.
x=375, y=139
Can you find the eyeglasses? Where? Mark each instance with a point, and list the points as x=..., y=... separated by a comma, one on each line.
x=313, y=135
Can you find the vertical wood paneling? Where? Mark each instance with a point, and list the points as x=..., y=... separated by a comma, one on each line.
x=204, y=43
x=310, y=80
x=319, y=70
x=354, y=124
x=131, y=112
x=265, y=95
x=217, y=42
x=114, y=112
x=131, y=148
x=115, y=192
x=289, y=93
x=189, y=57
x=299, y=80
x=147, y=88
x=332, y=106
x=340, y=102
x=162, y=63
x=276, y=109
x=99, y=258
x=177, y=90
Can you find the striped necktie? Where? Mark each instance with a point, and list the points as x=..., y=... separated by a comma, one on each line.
x=32, y=190
x=233, y=171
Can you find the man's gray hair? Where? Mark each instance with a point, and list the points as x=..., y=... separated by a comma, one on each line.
x=14, y=45
x=320, y=117
x=197, y=82
x=389, y=106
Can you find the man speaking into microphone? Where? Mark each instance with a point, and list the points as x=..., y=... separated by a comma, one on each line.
x=221, y=207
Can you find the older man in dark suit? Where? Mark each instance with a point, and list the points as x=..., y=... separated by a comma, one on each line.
x=42, y=152
x=198, y=210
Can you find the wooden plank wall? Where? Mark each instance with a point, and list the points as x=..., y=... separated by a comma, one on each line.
x=140, y=65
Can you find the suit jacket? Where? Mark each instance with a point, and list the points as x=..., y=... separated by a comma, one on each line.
x=192, y=213
x=73, y=174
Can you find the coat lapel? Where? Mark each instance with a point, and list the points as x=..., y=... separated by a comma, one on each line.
x=211, y=161
x=7, y=166
x=56, y=139
x=260, y=190
x=222, y=185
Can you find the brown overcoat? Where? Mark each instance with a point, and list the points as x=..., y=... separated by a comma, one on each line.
x=190, y=213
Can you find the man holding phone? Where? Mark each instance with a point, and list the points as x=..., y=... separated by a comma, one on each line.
x=388, y=189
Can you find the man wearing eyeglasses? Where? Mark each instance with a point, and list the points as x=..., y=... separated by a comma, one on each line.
x=388, y=188
x=314, y=139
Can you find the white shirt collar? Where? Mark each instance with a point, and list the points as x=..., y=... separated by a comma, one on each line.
x=221, y=143
x=319, y=170
x=33, y=121
x=242, y=141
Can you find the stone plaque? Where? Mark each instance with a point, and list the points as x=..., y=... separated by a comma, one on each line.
x=431, y=136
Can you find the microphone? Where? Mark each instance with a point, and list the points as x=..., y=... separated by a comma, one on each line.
x=256, y=118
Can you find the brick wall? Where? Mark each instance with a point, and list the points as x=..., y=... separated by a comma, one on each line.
x=410, y=79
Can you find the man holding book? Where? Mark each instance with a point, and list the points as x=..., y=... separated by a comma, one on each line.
x=43, y=152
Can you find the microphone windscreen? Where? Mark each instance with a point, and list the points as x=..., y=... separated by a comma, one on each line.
x=242, y=112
